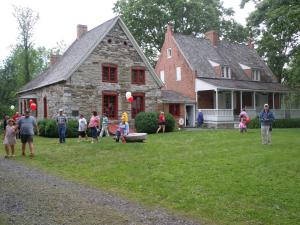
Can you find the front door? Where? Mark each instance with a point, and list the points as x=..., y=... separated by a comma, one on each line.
x=189, y=115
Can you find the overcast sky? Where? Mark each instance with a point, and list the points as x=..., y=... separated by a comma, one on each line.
x=59, y=18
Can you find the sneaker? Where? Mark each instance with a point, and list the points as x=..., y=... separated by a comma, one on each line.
x=23, y=154
x=31, y=155
x=6, y=157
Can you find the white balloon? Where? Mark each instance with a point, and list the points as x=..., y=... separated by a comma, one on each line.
x=128, y=94
x=12, y=107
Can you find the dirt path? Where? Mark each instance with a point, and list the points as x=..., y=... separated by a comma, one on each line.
x=29, y=196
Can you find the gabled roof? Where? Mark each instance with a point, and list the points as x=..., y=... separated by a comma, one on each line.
x=77, y=53
x=199, y=52
x=168, y=96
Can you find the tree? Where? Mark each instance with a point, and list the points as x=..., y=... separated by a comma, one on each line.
x=275, y=25
x=147, y=19
x=26, y=19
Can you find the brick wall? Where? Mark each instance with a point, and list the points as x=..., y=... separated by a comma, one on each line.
x=186, y=85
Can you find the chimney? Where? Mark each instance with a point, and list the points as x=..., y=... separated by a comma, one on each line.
x=54, y=59
x=250, y=43
x=170, y=28
x=81, y=30
x=212, y=36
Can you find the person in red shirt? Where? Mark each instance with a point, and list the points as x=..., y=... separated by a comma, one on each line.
x=161, y=122
x=16, y=117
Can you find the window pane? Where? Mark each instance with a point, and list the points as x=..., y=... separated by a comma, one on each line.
x=105, y=73
x=112, y=74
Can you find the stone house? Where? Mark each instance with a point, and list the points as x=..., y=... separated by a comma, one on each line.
x=94, y=74
x=217, y=77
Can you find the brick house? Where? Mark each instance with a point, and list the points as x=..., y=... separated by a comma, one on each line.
x=94, y=74
x=217, y=77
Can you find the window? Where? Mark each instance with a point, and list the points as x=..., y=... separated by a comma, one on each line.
x=75, y=113
x=109, y=73
x=110, y=105
x=174, y=109
x=138, y=76
x=169, y=53
x=226, y=73
x=256, y=75
x=138, y=104
x=45, y=108
x=178, y=73
x=162, y=76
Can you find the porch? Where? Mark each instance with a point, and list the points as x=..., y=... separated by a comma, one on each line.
x=221, y=104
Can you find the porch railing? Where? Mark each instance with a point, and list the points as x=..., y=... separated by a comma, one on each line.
x=218, y=115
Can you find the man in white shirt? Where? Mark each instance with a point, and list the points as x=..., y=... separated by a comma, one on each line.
x=82, y=126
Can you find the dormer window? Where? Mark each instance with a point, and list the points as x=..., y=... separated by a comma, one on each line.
x=226, y=73
x=169, y=53
x=255, y=75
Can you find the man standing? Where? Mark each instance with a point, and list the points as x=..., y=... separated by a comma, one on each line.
x=61, y=120
x=266, y=118
x=27, y=125
x=199, y=118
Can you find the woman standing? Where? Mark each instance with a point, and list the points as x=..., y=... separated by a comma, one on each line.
x=94, y=125
x=161, y=122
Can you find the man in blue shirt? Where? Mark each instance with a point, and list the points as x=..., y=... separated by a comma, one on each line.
x=27, y=124
x=266, y=118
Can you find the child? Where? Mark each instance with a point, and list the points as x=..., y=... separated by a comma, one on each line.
x=243, y=126
x=104, y=126
x=10, y=138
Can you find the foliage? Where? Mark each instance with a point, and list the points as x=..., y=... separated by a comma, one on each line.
x=275, y=26
x=278, y=123
x=212, y=176
x=72, y=128
x=48, y=128
x=51, y=129
x=147, y=19
x=147, y=122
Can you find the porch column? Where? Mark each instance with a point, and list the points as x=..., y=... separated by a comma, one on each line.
x=232, y=100
x=273, y=100
x=217, y=99
x=241, y=99
x=254, y=100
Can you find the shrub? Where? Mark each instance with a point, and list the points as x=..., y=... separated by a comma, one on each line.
x=278, y=123
x=72, y=128
x=51, y=129
x=42, y=126
x=147, y=122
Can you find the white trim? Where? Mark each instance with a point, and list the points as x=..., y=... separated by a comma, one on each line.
x=244, y=67
x=212, y=63
x=162, y=75
x=178, y=73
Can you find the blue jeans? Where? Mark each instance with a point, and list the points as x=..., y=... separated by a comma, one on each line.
x=62, y=133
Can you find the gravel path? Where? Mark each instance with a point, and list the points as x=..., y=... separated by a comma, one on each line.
x=29, y=196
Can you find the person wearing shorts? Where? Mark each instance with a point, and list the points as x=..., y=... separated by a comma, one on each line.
x=27, y=125
x=82, y=126
x=161, y=122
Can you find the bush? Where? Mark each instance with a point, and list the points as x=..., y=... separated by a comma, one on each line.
x=51, y=129
x=278, y=123
x=147, y=122
x=72, y=129
x=42, y=126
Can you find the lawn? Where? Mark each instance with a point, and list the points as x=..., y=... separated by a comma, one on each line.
x=212, y=176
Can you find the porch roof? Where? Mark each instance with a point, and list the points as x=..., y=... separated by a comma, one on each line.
x=169, y=96
x=203, y=84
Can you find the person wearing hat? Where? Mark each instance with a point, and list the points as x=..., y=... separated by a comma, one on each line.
x=61, y=121
x=266, y=118
x=10, y=138
x=26, y=125
x=161, y=122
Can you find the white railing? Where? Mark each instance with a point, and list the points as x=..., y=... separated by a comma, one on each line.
x=279, y=113
x=218, y=115
x=295, y=113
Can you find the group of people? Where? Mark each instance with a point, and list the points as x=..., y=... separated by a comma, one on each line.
x=266, y=118
x=22, y=127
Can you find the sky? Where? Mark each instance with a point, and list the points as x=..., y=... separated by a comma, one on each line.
x=58, y=19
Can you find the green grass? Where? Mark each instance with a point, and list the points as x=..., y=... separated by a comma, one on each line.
x=219, y=177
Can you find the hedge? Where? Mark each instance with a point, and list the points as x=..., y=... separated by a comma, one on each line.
x=48, y=128
x=147, y=122
x=278, y=123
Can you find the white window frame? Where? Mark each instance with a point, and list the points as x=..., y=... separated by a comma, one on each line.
x=178, y=73
x=169, y=53
x=256, y=75
x=162, y=76
x=225, y=72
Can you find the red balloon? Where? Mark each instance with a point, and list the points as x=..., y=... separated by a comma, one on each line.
x=247, y=120
x=30, y=101
x=130, y=99
x=33, y=106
